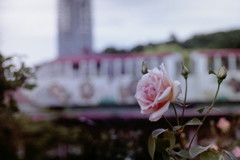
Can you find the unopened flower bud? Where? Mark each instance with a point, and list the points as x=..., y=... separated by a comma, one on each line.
x=222, y=73
x=144, y=68
x=184, y=71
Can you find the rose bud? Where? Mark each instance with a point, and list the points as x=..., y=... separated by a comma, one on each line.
x=184, y=71
x=222, y=73
x=144, y=68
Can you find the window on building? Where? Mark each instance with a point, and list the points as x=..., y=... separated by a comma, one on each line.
x=238, y=62
x=225, y=62
x=210, y=63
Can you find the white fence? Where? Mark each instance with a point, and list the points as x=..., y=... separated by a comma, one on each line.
x=203, y=86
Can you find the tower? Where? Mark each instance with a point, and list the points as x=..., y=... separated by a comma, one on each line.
x=74, y=27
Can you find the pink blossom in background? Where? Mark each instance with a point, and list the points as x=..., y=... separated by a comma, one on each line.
x=223, y=124
x=236, y=151
x=155, y=91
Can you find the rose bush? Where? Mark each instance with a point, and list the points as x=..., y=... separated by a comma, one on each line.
x=155, y=91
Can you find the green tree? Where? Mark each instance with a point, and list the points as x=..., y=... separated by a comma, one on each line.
x=12, y=77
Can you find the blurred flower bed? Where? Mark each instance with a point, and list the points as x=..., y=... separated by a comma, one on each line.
x=223, y=133
x=22, y=138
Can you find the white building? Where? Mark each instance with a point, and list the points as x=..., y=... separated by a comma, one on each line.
x=74, y=27
x=91, y=80
x=110, y=80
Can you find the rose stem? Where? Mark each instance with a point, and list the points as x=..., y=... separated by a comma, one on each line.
x=185, y=99
x=209, y=109
x=175, y=111
x=168, y=121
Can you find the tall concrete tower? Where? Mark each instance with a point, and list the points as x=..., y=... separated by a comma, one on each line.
x=74, y=27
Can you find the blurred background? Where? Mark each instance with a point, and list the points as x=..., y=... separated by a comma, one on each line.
x=31, y=28
x=69, y=70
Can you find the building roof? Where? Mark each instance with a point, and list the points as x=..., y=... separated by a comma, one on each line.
x=98, y=57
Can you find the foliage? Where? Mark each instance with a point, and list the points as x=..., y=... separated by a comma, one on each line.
x=12, y=77
x=217, y=40
x=69, y=139
x=230, y=39
x=113, y=50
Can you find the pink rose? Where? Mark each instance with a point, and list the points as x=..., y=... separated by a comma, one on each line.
x=155, y=91
x=236, y=151
x=223, y=124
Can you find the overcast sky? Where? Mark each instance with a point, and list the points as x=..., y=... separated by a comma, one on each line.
x=28, y=27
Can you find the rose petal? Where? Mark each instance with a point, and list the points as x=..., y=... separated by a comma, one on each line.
x=147, y=111
x=143, y=81
x=153, y=108
x=144, y=104
x=155, y=116
x=176, y=89
x=165, y=74
x=154, y=71
x=164, y=96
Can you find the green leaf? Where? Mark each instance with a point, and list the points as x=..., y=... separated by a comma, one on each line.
x=194, y=121
x=196, y=150
x=151, y=146
x=29, y=86
x=171, y=137
x=183, y=153
x=175, y=128
x=162, y=145
x=211, y=72
x=201, y=110
x=221, y=157
x=8, y=58
x=192, y=153
x=230, y=155
x=211, y=155
x=165, y=156
x=157, y=132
